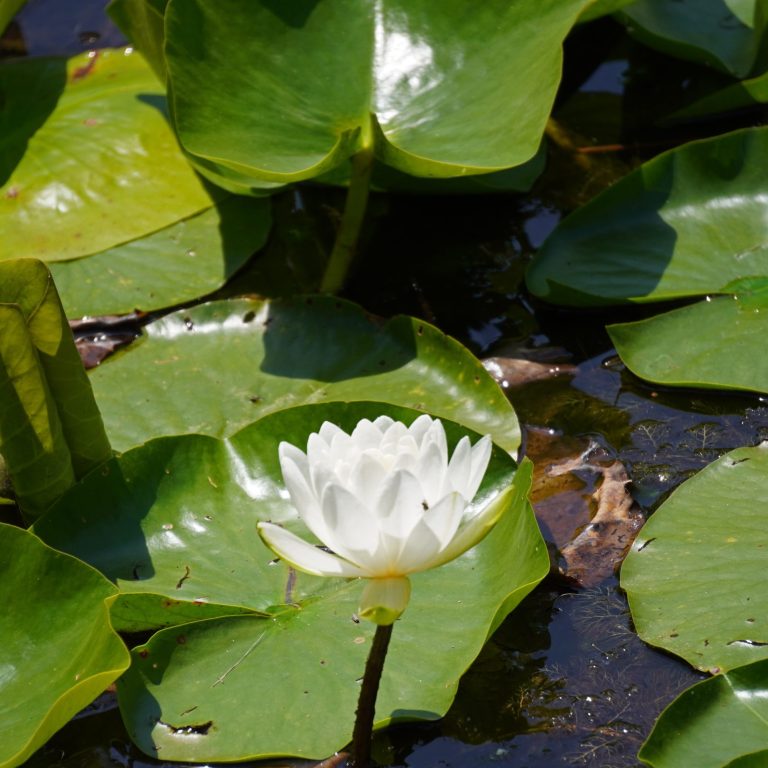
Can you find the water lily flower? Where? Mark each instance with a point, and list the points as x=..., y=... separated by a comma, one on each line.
x=385, y=502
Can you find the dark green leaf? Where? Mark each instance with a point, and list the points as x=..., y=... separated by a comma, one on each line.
x=714, y=723
x=59, y=649
x=217, y=367
x=726, y=34
x=177, y=264
x=687, y=223
x=446, y=90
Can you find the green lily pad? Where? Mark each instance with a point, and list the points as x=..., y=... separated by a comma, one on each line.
x=720, y=723
x=185, y=508
x=59, y=649
x=695, y=576
x=725, y=34
x=219, y=366
x=598, y=8
x=747, y=93
x=178, y=506
x=715, y=344
x=186, y=260
x=687, y=223
x=88, y=161
x=446, y=90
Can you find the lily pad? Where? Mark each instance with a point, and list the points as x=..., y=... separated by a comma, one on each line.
x=59, y=649
x=89, y=161
x=188, y=506
x=720, y=723
x=695, y=576
x=715, y=344
x=179, y=505
x=8, y=9
x=186, y=260
x=687, y=223
x=747, y=93
x=725, y=34
x=446, y=90
x=219, y=366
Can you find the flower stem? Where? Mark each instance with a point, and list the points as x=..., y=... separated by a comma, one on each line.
x=366, y=704
x=351, y=221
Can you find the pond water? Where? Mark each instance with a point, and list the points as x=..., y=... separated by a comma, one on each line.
x=564, y=680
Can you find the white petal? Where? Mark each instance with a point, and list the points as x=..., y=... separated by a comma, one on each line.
x=475, y=529
x=318, y=450
x=304, y=556
x=420, y=550
x=368, y=475
x=444, y=518
x=383, y=423
x=460, y=467
x=481, y=455
x=399, y=506
x=328, y=431
x=432, y=470
x=422, y=426
x=368, y=434
x=303, y=496
x=353, y=532
x=383, y=600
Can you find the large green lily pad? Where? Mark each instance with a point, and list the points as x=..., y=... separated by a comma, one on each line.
x=718, y=343
x=695, y=576
x=444, y=90
x=217, y=367
x=179, y=263
x=689, y=222
x=88, y=159
x=725, y=34
x=720, y=723
x=59, y=648
x=180, y=514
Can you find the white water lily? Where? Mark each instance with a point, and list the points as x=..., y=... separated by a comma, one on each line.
x=386, y=501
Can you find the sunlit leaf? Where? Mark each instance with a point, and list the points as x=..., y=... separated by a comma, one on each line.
x=718, y=343
x=695, y=576
x=217, y=367
x=59, y=650
x=446, y=90
x=687, y=223
x=88, y=161
x=51, y=432
x=715, y=724
x=177, y=517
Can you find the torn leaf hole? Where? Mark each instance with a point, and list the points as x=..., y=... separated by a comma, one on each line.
x=188, y=730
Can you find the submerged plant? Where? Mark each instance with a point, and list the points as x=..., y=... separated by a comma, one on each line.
x=388, y=502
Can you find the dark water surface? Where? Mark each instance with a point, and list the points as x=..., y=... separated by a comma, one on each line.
x=564, y=681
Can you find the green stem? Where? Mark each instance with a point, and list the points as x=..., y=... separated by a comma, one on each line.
x=351, y=221
x=366, y=704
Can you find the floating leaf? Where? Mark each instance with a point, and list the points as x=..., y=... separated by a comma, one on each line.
x=715, y=724
x=687, y=223
x=185, y=508
x=179, y=263
x=718, y=343
x=89, y=161
x=440, y=91
x=747, y=93
x=59, y=649
x=726, y=34
x=695, y=576
x=217, y=367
